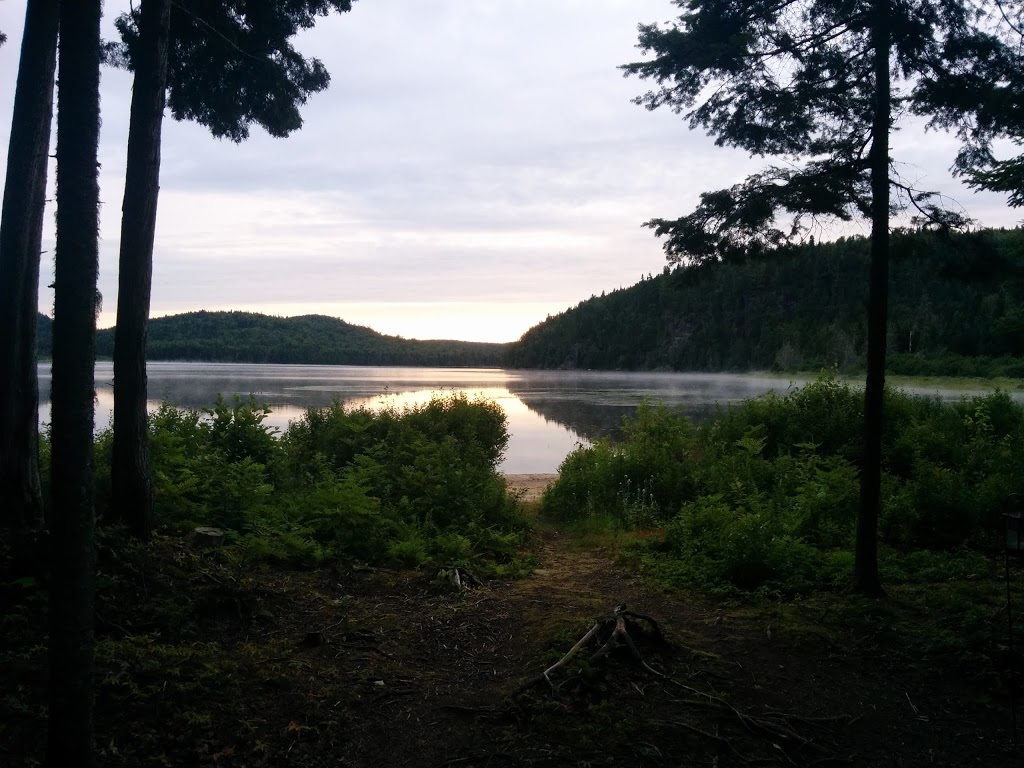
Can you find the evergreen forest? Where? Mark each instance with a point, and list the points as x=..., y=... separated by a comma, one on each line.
x=246, y=337
x=957, y=309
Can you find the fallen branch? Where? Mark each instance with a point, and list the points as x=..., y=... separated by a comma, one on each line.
x=710, y=736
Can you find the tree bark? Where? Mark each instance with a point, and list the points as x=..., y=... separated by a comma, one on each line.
x=131, y=478
x=73, y=557
x=21, y=234
x=866, y=576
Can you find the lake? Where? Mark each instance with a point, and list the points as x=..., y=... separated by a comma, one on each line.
x=549, y=412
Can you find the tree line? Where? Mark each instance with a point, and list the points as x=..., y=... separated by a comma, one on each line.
x=956, y=309
x=247, y=337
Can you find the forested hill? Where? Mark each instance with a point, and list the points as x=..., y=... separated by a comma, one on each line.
x=956, y=308
x=244, y=337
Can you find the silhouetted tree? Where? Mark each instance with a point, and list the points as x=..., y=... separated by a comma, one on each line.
x=977, y=96
x=73, y=557
x=132, y=483
x=224, y=65
x=816, y=82
x=21, y=234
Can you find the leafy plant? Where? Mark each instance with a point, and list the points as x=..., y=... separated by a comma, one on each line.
x=764, y=497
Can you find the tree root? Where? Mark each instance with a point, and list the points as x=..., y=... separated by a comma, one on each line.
x=460, y=578
x=779, y=728
x=616, y=622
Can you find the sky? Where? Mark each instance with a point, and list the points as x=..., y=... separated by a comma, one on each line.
x=475, y=166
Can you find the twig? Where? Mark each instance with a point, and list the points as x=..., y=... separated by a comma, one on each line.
x=560, y=663
x=710, y=736
x=916, y=713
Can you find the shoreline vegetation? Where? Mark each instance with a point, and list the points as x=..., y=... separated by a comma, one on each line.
x=763, y=496
x=329, y=606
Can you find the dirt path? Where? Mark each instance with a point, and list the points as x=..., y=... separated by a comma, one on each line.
x=458, y=657
x=361, y=667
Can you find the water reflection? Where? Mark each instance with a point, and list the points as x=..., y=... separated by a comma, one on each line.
x=594, y=403
x=549, y=412
x=536, y=444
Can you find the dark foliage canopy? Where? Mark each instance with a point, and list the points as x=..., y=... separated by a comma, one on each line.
x=980, y=95
x=233, y=64
x=793, y=79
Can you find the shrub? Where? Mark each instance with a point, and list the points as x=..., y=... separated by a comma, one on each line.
x=765, y=495
x=640, y=482
x=379, y=486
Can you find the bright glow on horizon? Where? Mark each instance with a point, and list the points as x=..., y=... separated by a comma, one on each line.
x=460, y=321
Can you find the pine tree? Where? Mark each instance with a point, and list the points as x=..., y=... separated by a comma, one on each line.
x=73, y=556
x=21, y=234
x=224, y=65
x=818, y=82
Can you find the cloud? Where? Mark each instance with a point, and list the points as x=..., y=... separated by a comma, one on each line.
x=471, y=160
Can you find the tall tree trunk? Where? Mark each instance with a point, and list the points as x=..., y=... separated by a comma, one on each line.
x=73, y=557
x=866, y=577
x=21, y=235
x=131, y=479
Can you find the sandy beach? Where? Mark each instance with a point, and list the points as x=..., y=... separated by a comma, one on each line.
x=532, y=484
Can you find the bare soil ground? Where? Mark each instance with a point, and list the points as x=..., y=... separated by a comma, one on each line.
x=365, y=667
x=810, y=699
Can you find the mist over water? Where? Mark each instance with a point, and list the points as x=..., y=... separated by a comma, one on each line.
x=549, y=412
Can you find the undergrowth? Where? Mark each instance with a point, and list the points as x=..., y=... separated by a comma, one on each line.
x=394, y=487
x=764, y=497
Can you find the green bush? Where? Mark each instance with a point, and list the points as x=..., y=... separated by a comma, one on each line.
x=640, y=482
x=765, y=496
x=237, y=431
x=201, y=473
x=379, y=486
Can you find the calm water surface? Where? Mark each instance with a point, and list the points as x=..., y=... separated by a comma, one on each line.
x=549, y=412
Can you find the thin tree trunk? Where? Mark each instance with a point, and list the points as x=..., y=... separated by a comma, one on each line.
x=131, y=479
x=866, y=577
x=21, y=235
x=73, y=557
